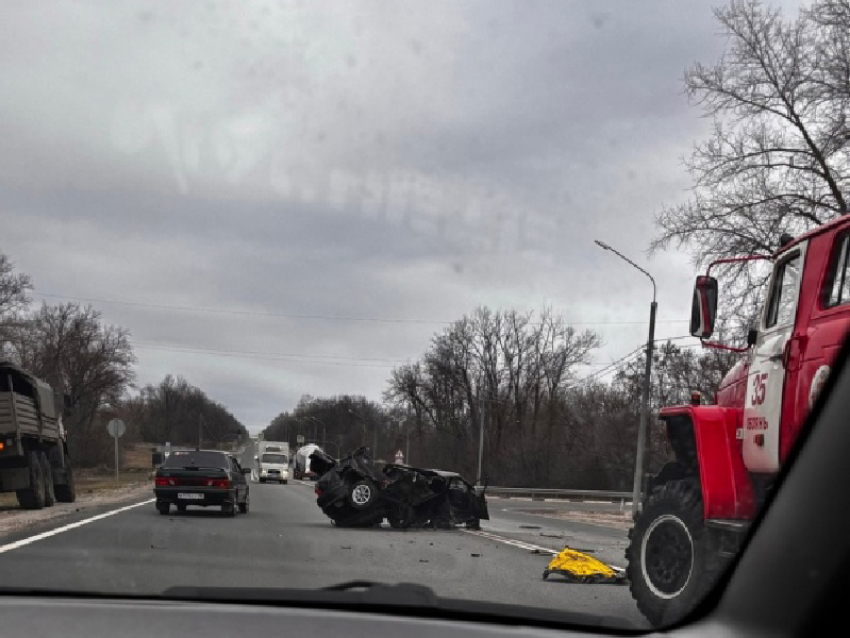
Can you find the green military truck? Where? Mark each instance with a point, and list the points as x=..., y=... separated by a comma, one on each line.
x=34, y=461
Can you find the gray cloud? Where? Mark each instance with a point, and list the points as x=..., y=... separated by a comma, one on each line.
x=360, y=160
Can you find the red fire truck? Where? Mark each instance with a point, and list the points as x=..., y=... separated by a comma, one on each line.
x=727, y=455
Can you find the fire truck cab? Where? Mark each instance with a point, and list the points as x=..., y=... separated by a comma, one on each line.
x=728, y=454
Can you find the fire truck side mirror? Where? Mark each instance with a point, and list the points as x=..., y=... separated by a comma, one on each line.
x=704, y=308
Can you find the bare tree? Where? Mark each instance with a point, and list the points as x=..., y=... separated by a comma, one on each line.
x=504, y=369
x=69, y=347
x=14, y=298
x=778, y=159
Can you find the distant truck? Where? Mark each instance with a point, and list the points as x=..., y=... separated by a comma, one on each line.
x=302, y=467
x=272, y=461
x=34, y=460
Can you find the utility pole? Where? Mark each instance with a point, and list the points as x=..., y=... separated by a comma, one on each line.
x=353, y=413
x=480, y=440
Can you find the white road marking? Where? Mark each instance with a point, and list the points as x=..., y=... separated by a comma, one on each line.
x=510, y=541
x=523, y=545
x=32, y=539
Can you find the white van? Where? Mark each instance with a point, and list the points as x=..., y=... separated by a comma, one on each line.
x=272, y=461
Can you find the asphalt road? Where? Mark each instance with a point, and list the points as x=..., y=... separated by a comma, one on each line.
x=286, y=541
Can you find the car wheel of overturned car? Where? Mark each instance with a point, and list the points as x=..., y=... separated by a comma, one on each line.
x=362, y=494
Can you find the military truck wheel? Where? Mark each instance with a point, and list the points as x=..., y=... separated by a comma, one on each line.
x=32, y=497
x=47, y=472
x=362, y=494
x=672, y=558
x=67, y=493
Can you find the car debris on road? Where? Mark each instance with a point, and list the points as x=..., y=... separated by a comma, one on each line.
x=578, y=567
x=352, y=493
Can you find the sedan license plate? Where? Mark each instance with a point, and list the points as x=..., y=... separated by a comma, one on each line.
x=190, y=496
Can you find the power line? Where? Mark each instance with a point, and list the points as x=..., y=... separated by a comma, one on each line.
x=312, y=317
x=338, y=360
x=261, y=357
x=266, y=353
x=636, y=351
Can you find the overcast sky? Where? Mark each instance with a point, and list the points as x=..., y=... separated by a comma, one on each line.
x=291, y=198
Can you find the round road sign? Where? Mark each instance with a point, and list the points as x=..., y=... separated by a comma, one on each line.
x=116, y=427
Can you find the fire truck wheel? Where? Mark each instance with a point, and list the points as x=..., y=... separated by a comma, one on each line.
x=672, y=558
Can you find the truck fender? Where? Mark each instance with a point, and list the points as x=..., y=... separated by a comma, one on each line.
x=704, y=441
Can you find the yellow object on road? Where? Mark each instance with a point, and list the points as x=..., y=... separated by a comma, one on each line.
x=581, y=568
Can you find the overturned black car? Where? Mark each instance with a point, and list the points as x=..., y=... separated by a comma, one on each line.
x=352, y=493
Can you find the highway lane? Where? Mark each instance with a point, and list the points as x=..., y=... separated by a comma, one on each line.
x=285, y=541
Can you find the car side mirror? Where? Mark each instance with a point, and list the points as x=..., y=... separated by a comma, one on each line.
x=752, y=337
x=704, y=307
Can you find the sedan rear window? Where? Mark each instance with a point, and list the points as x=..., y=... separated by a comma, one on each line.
x=197, y=459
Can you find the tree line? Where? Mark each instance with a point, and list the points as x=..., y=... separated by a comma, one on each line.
x=516, y=377
x=72, y=348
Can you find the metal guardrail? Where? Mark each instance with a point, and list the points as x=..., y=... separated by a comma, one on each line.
x=536, y=493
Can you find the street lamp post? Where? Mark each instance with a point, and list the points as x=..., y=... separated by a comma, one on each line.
x=315, y=429
x=482, y=401
x=644, y=413
x=352, y=412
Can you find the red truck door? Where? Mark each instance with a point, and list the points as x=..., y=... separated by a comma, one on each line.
x=766, y=378
x=822, y=325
